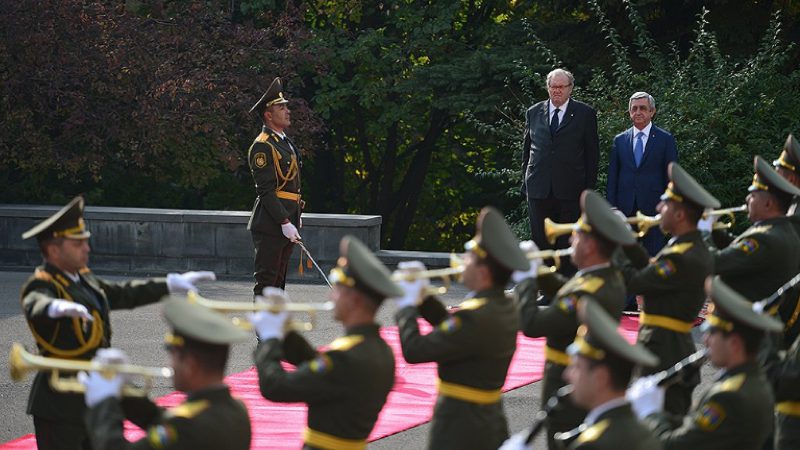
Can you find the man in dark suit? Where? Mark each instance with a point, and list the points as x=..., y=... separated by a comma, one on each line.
x=559, y=156
x=637, y=170
x=275, y=164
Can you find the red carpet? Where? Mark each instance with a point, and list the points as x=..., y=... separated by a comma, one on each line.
x=279, y=425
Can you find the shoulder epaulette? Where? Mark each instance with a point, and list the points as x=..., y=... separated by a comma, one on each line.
x=756, y=230
x=678, y=248
x=43, y=275
x=590, y=284
x=594, y=432
x=345, y=343
x=84, y=271
x=473, y=303
x=733, y=383
x=263, y=137
x=189, y=410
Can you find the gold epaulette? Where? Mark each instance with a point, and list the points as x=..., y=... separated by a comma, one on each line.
x=733, y=383
x=678, y=248
x=345, y=343
x=189, y=410
x=593, y=432
x=263, y=137
x=84, y=271
x=589, y=284
x=473, y=303
x=756, y=230
x=42, y=275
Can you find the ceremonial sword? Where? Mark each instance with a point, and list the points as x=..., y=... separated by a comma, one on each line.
x=311, y=258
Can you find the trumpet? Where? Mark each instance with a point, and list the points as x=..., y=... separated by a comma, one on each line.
x=730, y=212
x=226, y=307
x=643, y=222
x=555, y=255
x=447, y=275
x=553, y=230
x=20, y=362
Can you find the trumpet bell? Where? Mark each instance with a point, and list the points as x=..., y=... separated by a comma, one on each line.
x=553, y=230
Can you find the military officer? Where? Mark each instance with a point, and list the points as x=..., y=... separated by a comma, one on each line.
x=767, y=254
x=67, y=309
x=736, y=411
x=209, y=419
x=788, y=166
x=594, y=239
x=472, y=346
x=275, y=165
x=672, y=284
x=785, y=378
x=346, y=386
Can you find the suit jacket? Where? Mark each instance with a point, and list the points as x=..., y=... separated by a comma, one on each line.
x=565, y=162
x=643, y=185
x=275, y=167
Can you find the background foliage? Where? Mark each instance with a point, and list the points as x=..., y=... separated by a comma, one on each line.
x=409, y=109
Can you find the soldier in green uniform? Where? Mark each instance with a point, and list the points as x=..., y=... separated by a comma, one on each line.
x=785, y=378
x=346, y=386
x=767, y=254
x=275, y=165
x=594, y=239
x=67, y=308
x=209, y=419
x=788, y=166
x=672, y=284
x=472, y=346
x=737, y=410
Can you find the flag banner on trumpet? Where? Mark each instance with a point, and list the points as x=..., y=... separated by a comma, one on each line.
x=410, y=403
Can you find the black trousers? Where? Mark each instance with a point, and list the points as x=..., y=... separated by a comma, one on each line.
x=559, y=211
x=54, y=435
x=272, y=254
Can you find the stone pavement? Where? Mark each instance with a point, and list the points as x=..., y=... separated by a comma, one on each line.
x=140, y=333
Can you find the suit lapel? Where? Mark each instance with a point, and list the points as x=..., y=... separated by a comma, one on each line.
x=568, y=114
x=627, y=150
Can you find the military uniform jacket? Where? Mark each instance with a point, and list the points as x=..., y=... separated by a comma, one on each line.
x=275, y=166
x=473, y=348
x=736, y=412
x=345, y=387
x=209, y=419
x=673, y=287
x=761, y=259
x=616, y=429
x=75, y=338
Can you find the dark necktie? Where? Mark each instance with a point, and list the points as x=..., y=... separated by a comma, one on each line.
x=554, y=122
x=638, y=149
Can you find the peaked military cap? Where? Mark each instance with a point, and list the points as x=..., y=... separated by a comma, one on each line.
x=67, y=223
x=598, y=216
x=683, y=187
x=598, y=337
x=730, y=308
x=790, y=156
x=494, y=237
x=200, y=324
x=767, y=179
x=358, y=267
x=273, y=96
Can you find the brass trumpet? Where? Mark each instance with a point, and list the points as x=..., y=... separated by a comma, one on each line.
x=448, y=275
x=730, y=212
x=643, y=222
x=20, y=362
x=555, y=255
x=226, y=307
x=553, y=230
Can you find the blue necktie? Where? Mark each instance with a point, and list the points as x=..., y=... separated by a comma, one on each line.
x=638, y=149
x=554, y=122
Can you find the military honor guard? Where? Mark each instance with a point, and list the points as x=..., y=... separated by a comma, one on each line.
x=737, y=410
x=275, y=165
x=67, y=308
x=672, y=284
x=209, y=419
x=785, y=378
x=767, y=254
x=472, y=346
x=595, y=237
x=345, y=386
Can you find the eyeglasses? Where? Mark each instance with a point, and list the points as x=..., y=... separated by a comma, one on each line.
x=558, y=87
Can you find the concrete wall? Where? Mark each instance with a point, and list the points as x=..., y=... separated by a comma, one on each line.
x=142, y=241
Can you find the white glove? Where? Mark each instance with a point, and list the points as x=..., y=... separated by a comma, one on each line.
x=412, y=290
x=705, y=223
x=646, y=396
x=516, y=442
x=290, y=231
x=519, y=275
x=181, y=283
x=98, y=387
x=64, y=308
x=270, y=325
x=110, y=356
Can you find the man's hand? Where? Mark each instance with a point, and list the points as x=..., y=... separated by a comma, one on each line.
x=64, y=308
x=519, y=275
x=646, y=396
x=181, y=283
x=290, y=231
x=270, y=325
x=412, y=289
x=98, y=387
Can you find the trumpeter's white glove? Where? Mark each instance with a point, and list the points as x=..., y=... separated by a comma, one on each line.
x=181, y=283
x=270, y=325
x=64, y=308
x=412, y=289
x=519, y=275
x=646, y=396
x=98, y=387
